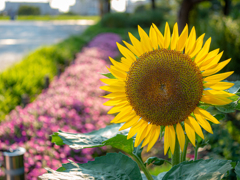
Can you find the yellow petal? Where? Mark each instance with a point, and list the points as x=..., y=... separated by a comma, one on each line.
x=211, y=55
x=125, y=111
x=115, y=82
x=182, y=39
x=149, y=135
x=118, y=65
x=219, y=85
x=132, y=48
x=180, y=136
x=201, y=120
x=146, y=132
x=117, y=74
x=211, y=63
x=189, y=131
x=214, y=100
x=166, y=140
x=136, y=43
x=113, y=88
x=173, y=138
x=115, y=101
x=139, y=134
x=154, y=137
x=118, y=108
x=153, y=38
x=115, y=94
x=196, y=126
x=207, y=115
x=126, y=62
x=198, y=46
x=135, y=129
x=126, y=52
x=174, y=37
x=191, y=41
x=218, y=77
x=218, y=94
x=203, y=53
x=160, y=37
x=145, y=39
x=167, y=36
x=130, y=123
x=125, y=118
x=216, y=69
x=110, y=81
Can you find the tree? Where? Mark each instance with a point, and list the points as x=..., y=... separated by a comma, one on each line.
x=183, y=14
x=153, y=4
x=226, y=8
x=104, y=7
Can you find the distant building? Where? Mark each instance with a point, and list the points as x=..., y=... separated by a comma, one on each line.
x=91, y=7
x=12, y=7
x=85, y=7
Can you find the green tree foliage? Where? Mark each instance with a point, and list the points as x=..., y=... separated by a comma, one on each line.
x=28, y=10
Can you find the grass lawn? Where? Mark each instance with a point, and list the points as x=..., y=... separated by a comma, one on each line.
x=49, y=18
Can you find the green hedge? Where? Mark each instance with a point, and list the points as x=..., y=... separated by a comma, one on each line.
x=123, y=20
x=27, y=77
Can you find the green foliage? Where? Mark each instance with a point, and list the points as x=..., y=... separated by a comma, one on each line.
x=58, y=17
x=156, y=161
x=237, y=169
x=200, y=169
x=105, y=136
x=27, y=77
x=112, y=166
x=115, y=20
x=123, y=20
x=28, y=10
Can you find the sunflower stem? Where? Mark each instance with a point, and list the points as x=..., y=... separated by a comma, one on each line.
x=196, y=153
x=142, y=166
x=176, y=156
x=184, y=153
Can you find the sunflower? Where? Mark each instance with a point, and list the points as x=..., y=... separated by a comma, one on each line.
x=160, y=84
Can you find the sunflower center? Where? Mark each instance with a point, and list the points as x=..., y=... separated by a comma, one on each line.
x=164, y=86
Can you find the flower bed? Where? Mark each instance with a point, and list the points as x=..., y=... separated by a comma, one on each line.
x=72, y=103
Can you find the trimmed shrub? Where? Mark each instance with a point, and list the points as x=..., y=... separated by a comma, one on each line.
x=28, y=10
x=123, y=20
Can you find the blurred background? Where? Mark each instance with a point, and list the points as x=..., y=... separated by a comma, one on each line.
x=41, y=39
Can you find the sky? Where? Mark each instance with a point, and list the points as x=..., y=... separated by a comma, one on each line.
x=62, y=5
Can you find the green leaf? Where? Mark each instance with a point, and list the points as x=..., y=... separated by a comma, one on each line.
x=120, y=142
x=109, y=135
x=200, y=169
x=237, y=169
x=238, y=106
x=156, y=161
x=227, y=108
x=145, y=178
x=220, y=116
x=234, y=98
x=109, y=75
x=161, y=175
x=57, y=140
x=235, y=88
x=111, y=167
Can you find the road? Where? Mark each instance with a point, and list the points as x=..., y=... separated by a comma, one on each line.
x=18, y=38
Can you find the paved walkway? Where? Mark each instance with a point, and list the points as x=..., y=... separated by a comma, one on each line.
x=18, y=38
